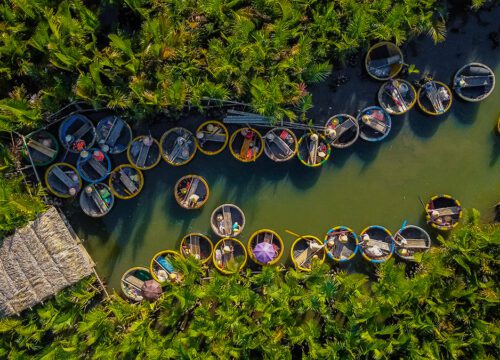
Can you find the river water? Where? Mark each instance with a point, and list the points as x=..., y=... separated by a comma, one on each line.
x=366, y=184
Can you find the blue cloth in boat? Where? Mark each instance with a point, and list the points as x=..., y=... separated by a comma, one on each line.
x=165, y=264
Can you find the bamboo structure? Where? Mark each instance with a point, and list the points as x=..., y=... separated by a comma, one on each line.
x=38, y=261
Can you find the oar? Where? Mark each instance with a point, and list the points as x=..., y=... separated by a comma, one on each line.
x=398, y=234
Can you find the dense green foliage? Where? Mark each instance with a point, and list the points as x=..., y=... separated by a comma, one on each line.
x=446, y=309
x=145, y=55
x=19, y=202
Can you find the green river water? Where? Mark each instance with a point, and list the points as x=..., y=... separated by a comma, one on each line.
x=366, y=184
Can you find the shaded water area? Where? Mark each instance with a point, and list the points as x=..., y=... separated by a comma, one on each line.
x=366, y=184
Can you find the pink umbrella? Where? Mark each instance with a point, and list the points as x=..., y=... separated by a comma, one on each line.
x=151, y=290
x=264, y=252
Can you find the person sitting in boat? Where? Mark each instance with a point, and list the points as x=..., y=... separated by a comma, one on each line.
x=98, y=155
x=78, y=145
x=322, y=150
x=220, y=221
x=193, y=200
x=236, y=228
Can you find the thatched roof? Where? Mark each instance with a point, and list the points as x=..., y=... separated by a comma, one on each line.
x=38, y=261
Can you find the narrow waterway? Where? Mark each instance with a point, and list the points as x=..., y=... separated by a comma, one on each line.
x=366, y=184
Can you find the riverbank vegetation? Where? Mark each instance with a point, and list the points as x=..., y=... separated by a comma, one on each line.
x=144, y=56
x=444, y=306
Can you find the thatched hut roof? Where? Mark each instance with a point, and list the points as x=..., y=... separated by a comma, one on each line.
x=38, y=261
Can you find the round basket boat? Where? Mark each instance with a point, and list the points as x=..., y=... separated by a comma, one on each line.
x=96, y=200
x=341, y=243
x=434, y=98
x=377, y=244
x=191, y=192
x=341, y=131
x=280, y=144
x=374, y=124
x=113, y=135
x=178, y=146
x=198, y=246
x=397, y=96
x=144, y=152
x=246, y=144
x=126, y=181
x=41, y=146
x=229, y=256
x=313, y=150
x=132, y=282
x=384, y=60
x=411, y=240
x=212, y=137
x=63, y=180
x=265, y=247
x=93, y=165
x=227, y=220
x=443, y=212
x=77, y=133
x=162, y=267
x=304, y=250
x=474, y=82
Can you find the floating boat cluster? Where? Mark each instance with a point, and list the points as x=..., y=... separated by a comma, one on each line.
x=265, y=247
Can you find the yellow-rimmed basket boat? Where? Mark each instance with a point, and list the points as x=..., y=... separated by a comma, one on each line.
x=229, y=256
x=178, y=146
x=384, y=60
x=162, y=267
x=246, y=144
x=280, y=144
x=96, y=200
x=126, y=181
x=443, y=212
x=212, y=137
x=63, y=180
x=397, y=96
x=434, y=98
x=313, y=150
x=341, y=243
x=227, y=220
x=306, y=248
x=265, y=247
x=377, y=244
x=191, y=192
x=341, y=130
x=198, y=246
x=410, y=240
x=132, y=282
x=144, y=152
